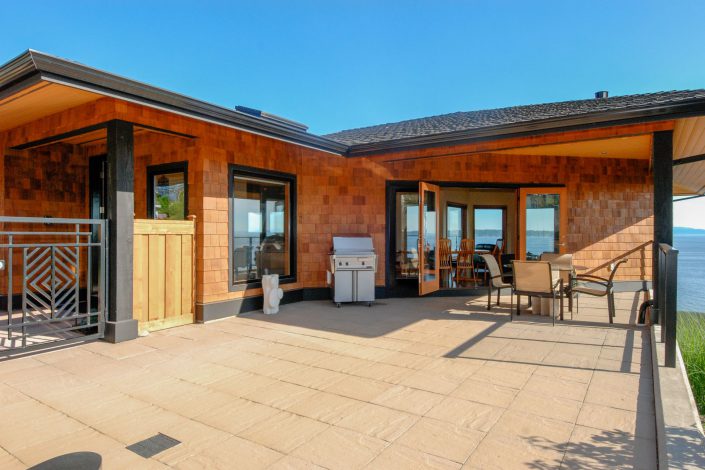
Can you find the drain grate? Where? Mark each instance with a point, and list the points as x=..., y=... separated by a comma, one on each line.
x=153, y=445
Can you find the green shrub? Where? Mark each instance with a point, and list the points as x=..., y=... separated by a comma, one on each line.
x=691, y=339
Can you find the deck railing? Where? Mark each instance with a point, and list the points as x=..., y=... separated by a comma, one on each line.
x=666, y=299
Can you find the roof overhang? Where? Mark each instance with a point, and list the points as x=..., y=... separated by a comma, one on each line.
x=34, y=67
x=619, y=117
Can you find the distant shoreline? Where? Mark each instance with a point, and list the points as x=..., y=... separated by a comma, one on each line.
x=688, y=231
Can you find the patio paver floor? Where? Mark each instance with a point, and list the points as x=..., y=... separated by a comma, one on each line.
x=409, y=383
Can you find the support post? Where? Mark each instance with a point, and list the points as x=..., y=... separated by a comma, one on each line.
x=670, y=327
x=662, y=167
x=120, y=326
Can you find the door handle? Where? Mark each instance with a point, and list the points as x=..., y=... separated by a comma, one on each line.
x=2, y=264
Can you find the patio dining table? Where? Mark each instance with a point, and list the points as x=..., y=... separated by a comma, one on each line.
x=544, y=306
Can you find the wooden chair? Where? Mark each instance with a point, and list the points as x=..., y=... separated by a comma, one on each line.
x=445, y=260
x=498, y=250
x=534, y=279
x=465, y=264
x=598, y=287
x=497, y=282
x=408, y=262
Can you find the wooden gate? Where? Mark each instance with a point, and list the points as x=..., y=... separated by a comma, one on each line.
x=164, y=273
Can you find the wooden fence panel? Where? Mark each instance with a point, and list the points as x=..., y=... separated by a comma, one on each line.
x=164, y=275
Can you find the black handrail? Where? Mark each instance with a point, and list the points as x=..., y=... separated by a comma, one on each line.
x=666, y=299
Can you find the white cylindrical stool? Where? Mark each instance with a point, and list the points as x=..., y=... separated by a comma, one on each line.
x=272, y=294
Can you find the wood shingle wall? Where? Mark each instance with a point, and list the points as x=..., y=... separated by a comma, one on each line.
x=610, y=205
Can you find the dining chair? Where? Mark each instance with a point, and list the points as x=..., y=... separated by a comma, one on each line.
x=563, y=264
x=445, y=260
x=498, y=249
x=497, y=281
x=534, y=279
x=465, y=263
x=597, y=286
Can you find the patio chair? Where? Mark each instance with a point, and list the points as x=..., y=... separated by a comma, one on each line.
x=534, y=279
x=563, y=263
x=597, y=287
x=498, y=250
x=497, y=282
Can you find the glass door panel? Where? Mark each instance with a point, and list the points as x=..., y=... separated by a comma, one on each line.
x=429, y=203
x=543, y=222
x=407, y=236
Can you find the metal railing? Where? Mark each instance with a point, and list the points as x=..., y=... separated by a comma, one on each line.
x=53, y=281
x=666, y=299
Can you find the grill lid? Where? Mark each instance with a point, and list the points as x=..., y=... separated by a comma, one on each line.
x=352, y=245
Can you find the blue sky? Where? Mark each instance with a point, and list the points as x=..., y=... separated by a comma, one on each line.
x=337, y=65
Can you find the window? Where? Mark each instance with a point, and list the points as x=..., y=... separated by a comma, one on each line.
x=407, y=225
x=261, y=215
x=490, y=224
x=456, y=223
x=167, y=191
x=542, y=224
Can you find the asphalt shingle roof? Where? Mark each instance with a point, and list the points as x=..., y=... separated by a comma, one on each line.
x=470, y=120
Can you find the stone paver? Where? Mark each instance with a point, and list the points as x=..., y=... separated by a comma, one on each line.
x=410, y=383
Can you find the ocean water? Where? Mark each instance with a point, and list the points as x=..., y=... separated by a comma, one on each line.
x=691, y=272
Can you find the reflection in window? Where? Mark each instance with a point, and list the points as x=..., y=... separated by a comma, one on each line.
x=169, y=196
x=456, y=223
x=260, y=228
x=407, y=257
x=489, y=225
x=429, y=238
x=542, y=224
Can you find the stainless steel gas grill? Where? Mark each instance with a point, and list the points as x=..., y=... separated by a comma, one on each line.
x=352, y=270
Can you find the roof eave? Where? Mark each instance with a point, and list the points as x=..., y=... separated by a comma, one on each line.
x=17, y=69
x=687, y=108
x=76, y=75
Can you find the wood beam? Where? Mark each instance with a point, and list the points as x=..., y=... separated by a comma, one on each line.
x=662, y=164
x=120, y=325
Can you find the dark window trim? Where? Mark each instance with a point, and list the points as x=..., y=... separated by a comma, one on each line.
x=504, y=210
x=154, y=170
x=241, y=170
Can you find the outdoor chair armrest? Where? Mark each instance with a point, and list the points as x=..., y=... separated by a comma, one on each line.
x=591, y=278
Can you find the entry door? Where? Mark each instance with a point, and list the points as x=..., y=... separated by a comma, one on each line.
x=543, y=222
x=429, y=205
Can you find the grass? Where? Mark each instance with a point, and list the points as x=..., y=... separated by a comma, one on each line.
x=691, y=340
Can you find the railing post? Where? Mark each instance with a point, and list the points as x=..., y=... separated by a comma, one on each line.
x=671, y=305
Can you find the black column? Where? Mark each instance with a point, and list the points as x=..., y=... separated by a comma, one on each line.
x=662, y=164
x=120, y=325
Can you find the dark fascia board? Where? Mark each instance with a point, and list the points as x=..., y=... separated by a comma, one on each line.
x=32, y=66
x=686, y=108
x=61, y=71
x=16, y=70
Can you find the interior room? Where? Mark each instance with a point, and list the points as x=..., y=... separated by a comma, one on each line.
x=471, y=222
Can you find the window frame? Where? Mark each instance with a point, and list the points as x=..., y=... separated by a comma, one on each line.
x=504, y=210
x=253, y=172
x=463, y=218
x=162, y=169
